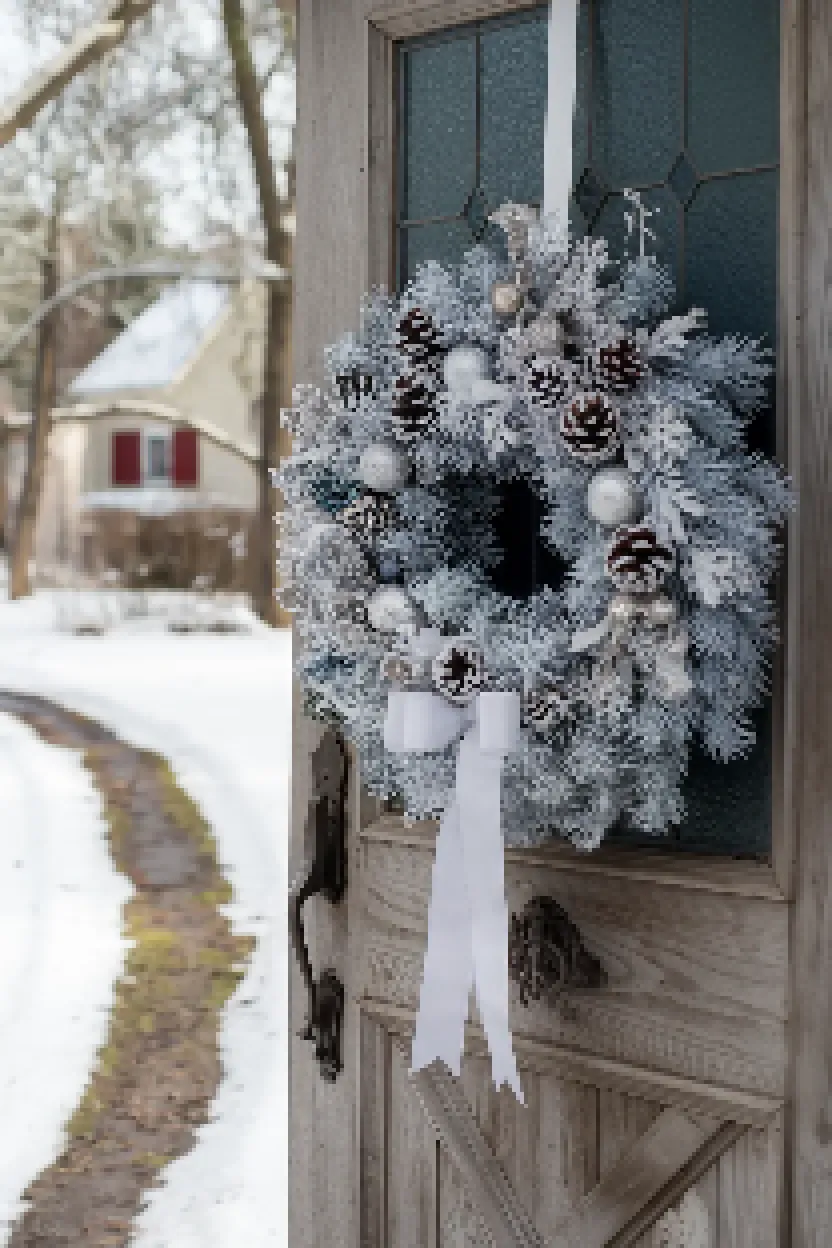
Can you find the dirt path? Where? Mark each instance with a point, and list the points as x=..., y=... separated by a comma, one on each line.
x=160, y=1067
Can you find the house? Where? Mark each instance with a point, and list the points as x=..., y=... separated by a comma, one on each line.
x=687, y=1100
x=161, y=431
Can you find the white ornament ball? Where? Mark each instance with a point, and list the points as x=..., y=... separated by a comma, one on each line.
x=507, y=298
x=389, y=610
x=463, y=366
x=383, y=468
x=613, y=497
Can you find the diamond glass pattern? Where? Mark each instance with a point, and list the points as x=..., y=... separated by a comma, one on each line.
x=476, y=213
x=589, y=195
x=683, y=179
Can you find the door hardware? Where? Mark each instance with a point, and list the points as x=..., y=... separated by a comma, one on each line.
x=547, y=954
x=328, y=876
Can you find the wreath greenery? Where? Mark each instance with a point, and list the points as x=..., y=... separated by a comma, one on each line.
x=629, y=423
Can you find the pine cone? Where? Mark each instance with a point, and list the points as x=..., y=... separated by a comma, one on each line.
x=459, y=671
x=620, y=365
x=636, y=561
x=369, y=516
x=353, y=385
x=548, y=381
x=418, y=337
x=414, y=412
x=589, y=427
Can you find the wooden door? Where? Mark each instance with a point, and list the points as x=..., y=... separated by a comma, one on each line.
x=683, y=1103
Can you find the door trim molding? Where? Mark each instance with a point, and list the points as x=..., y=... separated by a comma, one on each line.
x=748, y=1109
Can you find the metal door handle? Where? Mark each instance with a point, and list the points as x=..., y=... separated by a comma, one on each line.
x=326, y=875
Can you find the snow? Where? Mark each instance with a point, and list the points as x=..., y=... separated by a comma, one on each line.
x=153, y=350
x=219, y=708
x=62, y=948
x=147, y=501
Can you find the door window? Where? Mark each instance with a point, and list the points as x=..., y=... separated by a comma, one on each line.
x=676, y=98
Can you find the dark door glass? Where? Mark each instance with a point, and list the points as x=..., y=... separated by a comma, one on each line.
x=676, y=98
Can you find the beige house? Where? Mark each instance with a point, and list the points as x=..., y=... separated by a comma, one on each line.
x=161, y=429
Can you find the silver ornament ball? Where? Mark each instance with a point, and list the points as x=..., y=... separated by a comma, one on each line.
x=506, y=299
x=463, y=366
x=613, y=497
x=383, y=468
x=389, y=610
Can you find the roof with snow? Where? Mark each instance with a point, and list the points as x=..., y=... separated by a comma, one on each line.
x=152, y=351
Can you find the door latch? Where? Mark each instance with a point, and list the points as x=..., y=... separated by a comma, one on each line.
x=328, y=876
x=546, y=953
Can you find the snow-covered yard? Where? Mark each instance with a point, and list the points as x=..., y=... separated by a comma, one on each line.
x=218, y=707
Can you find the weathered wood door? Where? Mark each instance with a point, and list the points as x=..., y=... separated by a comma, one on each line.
x=686, y=1101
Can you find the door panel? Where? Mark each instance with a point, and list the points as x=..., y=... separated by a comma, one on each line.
x=696, y=978
x=558, y=1152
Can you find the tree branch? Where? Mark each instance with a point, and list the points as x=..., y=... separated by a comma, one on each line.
x=88, y=47
x=151, y=269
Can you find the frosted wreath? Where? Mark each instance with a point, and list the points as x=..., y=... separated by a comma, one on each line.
x=628, y=423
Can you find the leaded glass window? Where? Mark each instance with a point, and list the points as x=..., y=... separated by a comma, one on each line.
x=676, y=98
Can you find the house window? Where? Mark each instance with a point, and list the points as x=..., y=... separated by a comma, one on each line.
x=157, y=458
x=676, y=98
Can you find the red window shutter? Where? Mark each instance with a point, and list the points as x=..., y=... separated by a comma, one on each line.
x=185, y=457
x=126, y=457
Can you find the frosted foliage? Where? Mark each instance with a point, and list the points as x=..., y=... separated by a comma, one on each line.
x=627, y=711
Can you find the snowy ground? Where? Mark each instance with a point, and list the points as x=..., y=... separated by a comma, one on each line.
x=219, y=708
x=62, y=948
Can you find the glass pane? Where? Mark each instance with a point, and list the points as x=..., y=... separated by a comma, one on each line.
x=733, y=95
x=637, y=128
x=512, y=85
x=728, y=804
x=439, y=131
x=157, y=458
x=666, y=223
x=445, y=242
x=731, y=250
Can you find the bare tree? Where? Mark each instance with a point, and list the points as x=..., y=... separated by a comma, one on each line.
x=212, y=72
x=92, y=42
x=273, y=210
x=44, y=400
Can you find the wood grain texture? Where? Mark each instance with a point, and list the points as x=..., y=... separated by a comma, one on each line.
x=403, y=19
x=374, y=1078
x=682, y=870
x=444, y=1102
x=330, y=249
x=811, y=1039
x=750, y=1190
x=694, y=988
x=412, y=1161
x=634, y=1180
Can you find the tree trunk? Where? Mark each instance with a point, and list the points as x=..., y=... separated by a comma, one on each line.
x=278, y=251
x=38, y=441
x=4, y=481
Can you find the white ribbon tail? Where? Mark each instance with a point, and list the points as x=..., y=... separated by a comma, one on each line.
x=468, y=915
x=448, y=971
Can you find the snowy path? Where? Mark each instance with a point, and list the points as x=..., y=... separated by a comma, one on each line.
x=61, y=949
x=219, y=708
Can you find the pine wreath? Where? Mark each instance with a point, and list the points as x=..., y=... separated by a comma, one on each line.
x=662, y=632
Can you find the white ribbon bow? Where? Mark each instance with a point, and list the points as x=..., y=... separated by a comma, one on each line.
x=468, y=916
